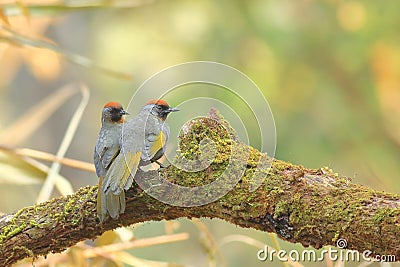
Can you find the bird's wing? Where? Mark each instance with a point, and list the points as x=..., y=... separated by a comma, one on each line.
x=108, y=155
x=105, y=152
x=154, y=143
x=121, y=172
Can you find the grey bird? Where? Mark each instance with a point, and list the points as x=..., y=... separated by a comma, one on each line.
x=143, y=141
x=107, y=148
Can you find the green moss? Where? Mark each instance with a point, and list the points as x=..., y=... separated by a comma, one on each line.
x=385, y=215
x=282, y=207
x=33, y=223
x=25, y=249
x=15, y=225
x=228, y=149
x=71, y=205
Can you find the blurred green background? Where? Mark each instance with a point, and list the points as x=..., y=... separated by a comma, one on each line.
x=330, y=70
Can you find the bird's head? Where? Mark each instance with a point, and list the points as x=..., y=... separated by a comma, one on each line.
x=113, y=112
x=160, y=108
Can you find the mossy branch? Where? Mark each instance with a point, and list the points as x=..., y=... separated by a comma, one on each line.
x=312, y=206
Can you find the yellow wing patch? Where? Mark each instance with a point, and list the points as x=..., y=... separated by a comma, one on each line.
x=158, y=144
x=132, y=163
x=119, y=175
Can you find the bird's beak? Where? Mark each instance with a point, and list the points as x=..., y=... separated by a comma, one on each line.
x=173, y=109
x=124, y=112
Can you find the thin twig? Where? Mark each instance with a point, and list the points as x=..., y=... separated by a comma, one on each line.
x=47, y=187
x=36, y=154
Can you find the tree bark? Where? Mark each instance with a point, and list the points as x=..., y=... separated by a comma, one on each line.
x=315, y=207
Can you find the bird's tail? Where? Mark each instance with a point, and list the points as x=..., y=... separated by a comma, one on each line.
x=111, y=194
x=108, y=203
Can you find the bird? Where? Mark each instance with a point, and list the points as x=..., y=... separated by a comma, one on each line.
x=143, y=141
x=108, y=144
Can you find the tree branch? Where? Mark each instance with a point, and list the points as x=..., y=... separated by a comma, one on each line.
x=312, y=206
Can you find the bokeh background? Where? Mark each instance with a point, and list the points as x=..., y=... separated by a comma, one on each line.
x=330, y=70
